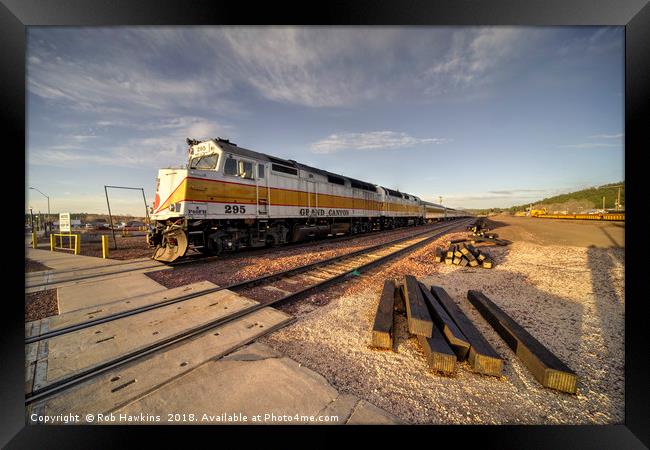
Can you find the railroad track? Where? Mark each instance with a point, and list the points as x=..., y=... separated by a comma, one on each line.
x=322, y=273
x=127, y=266
x=253, y=251
x=269, y=280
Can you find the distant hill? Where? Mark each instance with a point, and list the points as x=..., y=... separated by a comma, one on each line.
x=592, y=196
x=573, y=202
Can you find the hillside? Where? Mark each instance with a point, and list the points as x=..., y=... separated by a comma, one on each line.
x=574, y=202
x=592, y=196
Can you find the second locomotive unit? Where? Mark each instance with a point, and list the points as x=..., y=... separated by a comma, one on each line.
x=229, y=197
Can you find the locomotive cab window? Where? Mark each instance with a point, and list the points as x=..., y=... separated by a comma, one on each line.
x=260, y=171
x=230, y=168
x=204, y=162
x=246, y=169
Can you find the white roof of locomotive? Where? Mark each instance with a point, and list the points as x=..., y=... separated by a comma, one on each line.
x=230, y=147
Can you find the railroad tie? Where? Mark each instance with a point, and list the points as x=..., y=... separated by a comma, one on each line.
x=547, y=368
x=481, y=356
x=382, y=330
x=419, y=320
x=456, y=339
x=400, y=303
x=440, y=357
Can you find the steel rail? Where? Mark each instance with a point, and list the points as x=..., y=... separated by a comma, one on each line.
x=232, y=286
x=78, y=378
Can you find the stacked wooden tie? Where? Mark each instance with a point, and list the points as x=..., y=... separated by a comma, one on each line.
x=447, y=336
x=478, y=228
x=479, y=233
x=464, y=254
x=442, y=329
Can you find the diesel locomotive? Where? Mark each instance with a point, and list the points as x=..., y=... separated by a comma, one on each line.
x=228, y=197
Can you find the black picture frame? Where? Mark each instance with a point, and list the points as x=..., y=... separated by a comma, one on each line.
x=16, y=15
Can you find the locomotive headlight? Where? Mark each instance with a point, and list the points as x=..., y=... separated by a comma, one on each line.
x=171, y=207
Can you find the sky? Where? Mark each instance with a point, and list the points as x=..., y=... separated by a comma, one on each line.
x=480, y=116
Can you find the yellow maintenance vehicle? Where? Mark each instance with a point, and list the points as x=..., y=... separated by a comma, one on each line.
x=537, y=212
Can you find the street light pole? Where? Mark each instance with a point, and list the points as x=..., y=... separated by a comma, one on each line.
x=48, y=206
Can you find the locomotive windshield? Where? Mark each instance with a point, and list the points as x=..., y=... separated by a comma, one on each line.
x=204, y=162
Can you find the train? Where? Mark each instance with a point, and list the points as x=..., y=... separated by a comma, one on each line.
x=228, y=197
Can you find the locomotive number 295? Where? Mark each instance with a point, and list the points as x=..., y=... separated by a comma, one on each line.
x=235, y=209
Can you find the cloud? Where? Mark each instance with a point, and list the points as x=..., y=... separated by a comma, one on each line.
x=373, y=140
x=154, y=69
x=314, y=66
x=161, y=68
x=158, y=69
x=598, y=144
x=477, y=57
x=486, y=200
x=81, y=137
x=163, y=144
x=111, y=88
x=607, y=136
x=188, y=125
x=127, y=75
x=599, y=41
x=515, y=191
x=591, y=145
x=506, y=198
x=134, y=153
x=460, y=199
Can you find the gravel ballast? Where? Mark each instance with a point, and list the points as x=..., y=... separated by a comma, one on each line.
x=41, y=304
x=34, y=266
x=570, y=298
x=234, y=268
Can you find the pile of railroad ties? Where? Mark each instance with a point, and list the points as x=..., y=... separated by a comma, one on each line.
x=447, y=336
x=462, y=252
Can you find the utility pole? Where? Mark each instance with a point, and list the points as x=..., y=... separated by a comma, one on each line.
x=440, y=199
x=618, y=200
x=603, y=203
x=48, y=207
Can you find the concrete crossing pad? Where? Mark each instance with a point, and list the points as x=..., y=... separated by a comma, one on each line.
x=116, y=388
x=68, y=269
x=65, y=261
x=76, y=352
x=55, y=280
x=98, y=310
x=99, y=292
